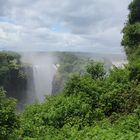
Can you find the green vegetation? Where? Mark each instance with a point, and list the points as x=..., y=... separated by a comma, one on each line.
x=8, y=118
x=69, y=63
x=12, y=76
x=93, y=105
x=96, y=70
x=100, y=109
x=131, y=31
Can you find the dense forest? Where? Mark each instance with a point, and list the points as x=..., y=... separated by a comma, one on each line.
x=94, y=104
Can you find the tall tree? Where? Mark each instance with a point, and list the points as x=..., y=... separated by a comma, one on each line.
x=131, y=39
x=131, y=31
x=134, y=15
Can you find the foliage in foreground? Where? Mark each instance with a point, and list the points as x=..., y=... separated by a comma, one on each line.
x=100, y=108
x=8, y=118
x=87, y=109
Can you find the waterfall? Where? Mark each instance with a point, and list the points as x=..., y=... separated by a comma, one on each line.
x=41, y=75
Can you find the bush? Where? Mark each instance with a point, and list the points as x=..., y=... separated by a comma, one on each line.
x=8, y=118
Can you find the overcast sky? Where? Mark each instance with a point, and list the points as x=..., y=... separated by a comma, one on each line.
x=62, y=25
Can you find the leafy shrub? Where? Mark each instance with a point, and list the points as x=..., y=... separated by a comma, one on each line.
x=8, y=118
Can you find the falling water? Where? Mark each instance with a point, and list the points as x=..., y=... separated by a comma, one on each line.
x=41, y=77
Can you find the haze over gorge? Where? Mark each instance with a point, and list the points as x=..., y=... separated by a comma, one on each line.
x=44, y=71
x=34, y=28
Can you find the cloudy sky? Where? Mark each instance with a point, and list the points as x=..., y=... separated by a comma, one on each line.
x=63, y=25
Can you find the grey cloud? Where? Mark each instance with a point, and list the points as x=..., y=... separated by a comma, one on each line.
x=3, y=4
x=85, y=24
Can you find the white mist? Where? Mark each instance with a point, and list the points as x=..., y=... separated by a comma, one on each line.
x=42, y=65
